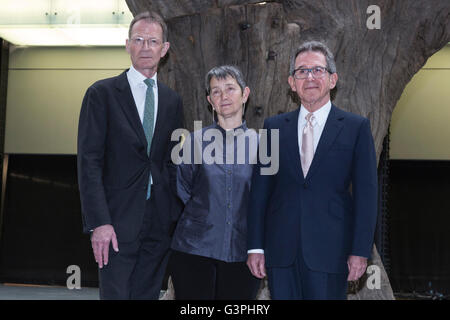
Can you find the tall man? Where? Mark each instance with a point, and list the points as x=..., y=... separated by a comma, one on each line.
x=124, y=169
x=306, y=230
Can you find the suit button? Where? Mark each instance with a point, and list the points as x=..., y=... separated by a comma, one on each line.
x=305, y=185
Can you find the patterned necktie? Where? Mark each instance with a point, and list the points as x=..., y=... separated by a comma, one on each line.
x=307, y=144
x=149, y=118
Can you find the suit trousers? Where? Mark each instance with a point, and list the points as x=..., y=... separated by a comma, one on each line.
x=201, y=278
x=137, y=271
x=299, y=282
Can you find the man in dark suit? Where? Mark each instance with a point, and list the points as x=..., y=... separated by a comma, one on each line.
x=125, y=172
x=306, y=230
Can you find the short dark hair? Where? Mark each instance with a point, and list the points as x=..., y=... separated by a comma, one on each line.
x=222, y=72
x=315, y=46
x=150, y=16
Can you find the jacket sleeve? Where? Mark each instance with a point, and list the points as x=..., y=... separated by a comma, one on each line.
x=176, y=204
x=92, y=131
x=172, y=168
x=261, y=187
x=364, y=189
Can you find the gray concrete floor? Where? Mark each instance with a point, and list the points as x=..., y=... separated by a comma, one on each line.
x=36, y=292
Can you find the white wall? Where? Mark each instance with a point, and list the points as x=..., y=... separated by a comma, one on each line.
x=420, y=125
x=45, y=90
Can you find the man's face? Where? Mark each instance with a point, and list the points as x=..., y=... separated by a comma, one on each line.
x=145, y=55
x=313, y=92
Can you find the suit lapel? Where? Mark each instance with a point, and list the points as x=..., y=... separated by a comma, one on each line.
x=331, y=130
x=292, y=147
x=128, y=105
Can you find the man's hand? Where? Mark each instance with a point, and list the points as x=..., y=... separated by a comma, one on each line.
x=356, y=267
x=256, y=264
x=100, y=239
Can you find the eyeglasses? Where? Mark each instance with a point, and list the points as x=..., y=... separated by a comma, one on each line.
x=139, y=42
x=316, y=72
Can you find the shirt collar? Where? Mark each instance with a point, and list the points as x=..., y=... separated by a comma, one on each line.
x=243, y=126
x=137, y=79
x=320, y=114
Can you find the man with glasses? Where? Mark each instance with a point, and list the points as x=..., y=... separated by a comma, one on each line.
x=124, y=169
x=311, y=225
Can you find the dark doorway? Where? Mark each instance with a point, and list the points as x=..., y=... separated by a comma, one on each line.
x=419, y=227
x=42, y=229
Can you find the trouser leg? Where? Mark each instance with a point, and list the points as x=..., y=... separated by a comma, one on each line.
x=234, y=281
x=193, y=276
x=114, y=278
x=147, y=277
x=298, y=282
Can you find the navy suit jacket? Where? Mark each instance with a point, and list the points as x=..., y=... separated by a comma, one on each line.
x=318, y=212
x=113, y=165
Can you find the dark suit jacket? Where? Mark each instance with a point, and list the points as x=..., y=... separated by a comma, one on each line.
x=317, y=212
x=113, y=166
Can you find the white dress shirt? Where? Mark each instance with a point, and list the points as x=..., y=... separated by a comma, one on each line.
x=320, y=118
x=139, y=90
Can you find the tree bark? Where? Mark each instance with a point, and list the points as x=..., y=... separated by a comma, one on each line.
x=373, y=66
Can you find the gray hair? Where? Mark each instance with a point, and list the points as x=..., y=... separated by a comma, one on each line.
x=314, y=46
x=221, y=73
x=150, y=16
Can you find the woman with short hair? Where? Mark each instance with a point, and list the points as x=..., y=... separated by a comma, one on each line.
x=210, y=242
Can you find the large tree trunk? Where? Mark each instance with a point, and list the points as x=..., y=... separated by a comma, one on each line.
x=373, y=66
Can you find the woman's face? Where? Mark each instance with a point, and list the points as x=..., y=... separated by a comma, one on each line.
x=227, y=98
